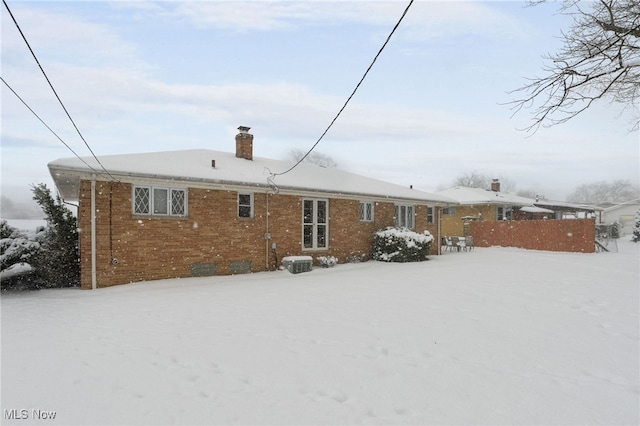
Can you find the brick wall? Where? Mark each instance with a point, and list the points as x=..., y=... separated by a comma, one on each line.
x=212, y=235
x=572, y=235
x=454, y=225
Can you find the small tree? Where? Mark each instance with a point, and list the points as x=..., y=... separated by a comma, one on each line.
x=58, y=261
x=636, y=228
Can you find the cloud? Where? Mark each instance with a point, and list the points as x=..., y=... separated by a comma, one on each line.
x=270, y=15
x=123, y=105
x=55, y=34
x=426, y=20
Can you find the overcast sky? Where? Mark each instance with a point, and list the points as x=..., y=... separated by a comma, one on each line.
x=148, y=76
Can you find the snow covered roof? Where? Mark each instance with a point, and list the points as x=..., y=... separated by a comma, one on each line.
x=476, y=196
x=533, y=209
x=564, y=205
x=623, y=205
x=195, y=168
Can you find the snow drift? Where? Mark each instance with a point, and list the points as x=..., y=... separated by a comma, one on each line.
x=491, y=336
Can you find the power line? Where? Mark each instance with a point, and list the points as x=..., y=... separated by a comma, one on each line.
x=53, y=89
x=270, y=180
x=47, y=126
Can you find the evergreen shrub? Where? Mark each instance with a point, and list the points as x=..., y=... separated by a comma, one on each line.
x=401, y=245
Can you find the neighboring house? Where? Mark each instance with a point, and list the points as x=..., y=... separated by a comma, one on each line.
x=477, y=204
x=623, y=213
x=566, y=210
x=203, y=212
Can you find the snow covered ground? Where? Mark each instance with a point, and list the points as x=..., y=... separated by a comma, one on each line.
x=492, y=336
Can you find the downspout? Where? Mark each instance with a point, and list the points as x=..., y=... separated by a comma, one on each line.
x=267, y=237
x=94, y=280
x=439, y=210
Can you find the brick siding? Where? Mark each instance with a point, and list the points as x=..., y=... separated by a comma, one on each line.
x=454, y=225
x=212, y=237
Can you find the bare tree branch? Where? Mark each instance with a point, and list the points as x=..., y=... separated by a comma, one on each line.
x=600, y=58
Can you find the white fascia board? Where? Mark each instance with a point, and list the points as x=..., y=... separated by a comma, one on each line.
x=70, y=173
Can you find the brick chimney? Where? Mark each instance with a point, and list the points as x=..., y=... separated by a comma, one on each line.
x=495, y=185
x=244, y=143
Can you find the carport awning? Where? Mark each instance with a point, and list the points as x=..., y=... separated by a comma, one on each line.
x=533, y=209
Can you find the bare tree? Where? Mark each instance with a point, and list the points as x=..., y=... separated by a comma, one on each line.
x=478, y=180
x=473, y=180
x=317, y=158
x=603, y=192
x=600, y=58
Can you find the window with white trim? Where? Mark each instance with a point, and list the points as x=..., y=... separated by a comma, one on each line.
x=245, y=204
x=449, y=211
x=366, y=211
x=315, y=225
x=500, y=213
x=141, y=200
x=405, y=216
x=159, y=201
x=178, y=202
x=430, y=216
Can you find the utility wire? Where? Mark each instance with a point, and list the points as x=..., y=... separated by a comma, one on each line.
x=270, y=180
x=47, y=126
x=53, y=89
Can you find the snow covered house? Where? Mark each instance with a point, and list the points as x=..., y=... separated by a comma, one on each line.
x=494, y=218
x=203, y=212
x=477, y=204
x=624, y=214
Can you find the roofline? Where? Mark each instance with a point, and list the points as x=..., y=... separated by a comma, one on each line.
x=567, y=206
x=128, y=177
x=491, y=203
x=623, y=204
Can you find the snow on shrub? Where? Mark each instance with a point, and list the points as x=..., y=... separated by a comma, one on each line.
x=357, y=257
x=15, y=246
x=327, y=261
x=401, y=245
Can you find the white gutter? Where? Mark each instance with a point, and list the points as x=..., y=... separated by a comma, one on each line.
x=93, y=233
x=129, y=177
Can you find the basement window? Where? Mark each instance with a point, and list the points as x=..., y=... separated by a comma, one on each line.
x=157, y=201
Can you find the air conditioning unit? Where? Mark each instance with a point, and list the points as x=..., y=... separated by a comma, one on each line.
x=297, y=264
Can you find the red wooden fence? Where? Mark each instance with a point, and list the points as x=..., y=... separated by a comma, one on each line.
x=572, y=235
